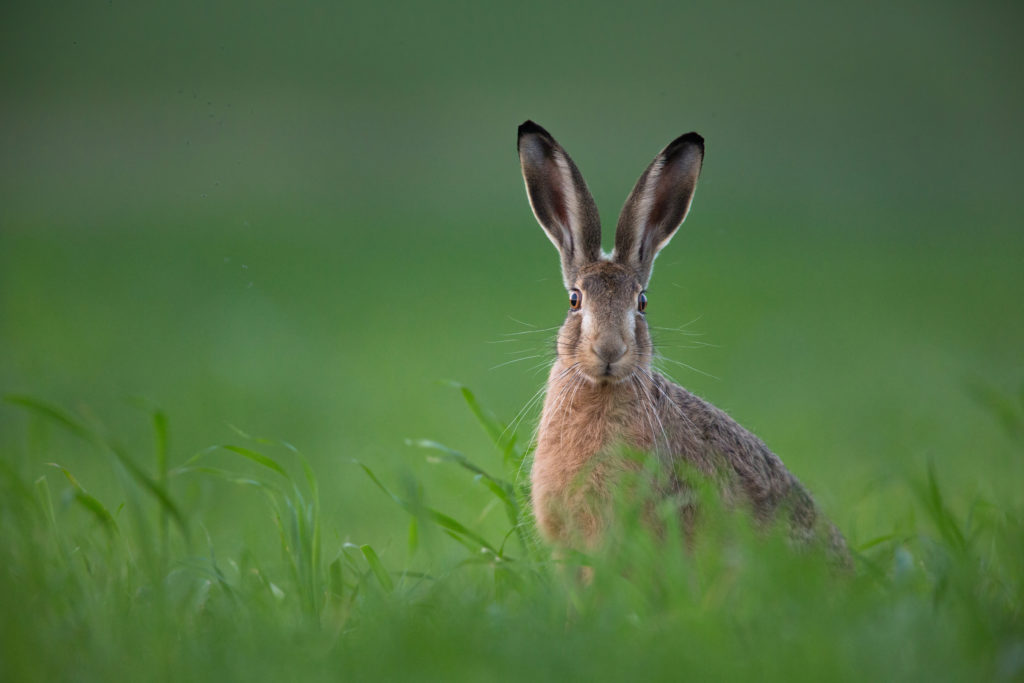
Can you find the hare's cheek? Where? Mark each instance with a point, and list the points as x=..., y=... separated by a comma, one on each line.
x=588, y=325
x=569, y=336
x=629, y=325
x=641, y=335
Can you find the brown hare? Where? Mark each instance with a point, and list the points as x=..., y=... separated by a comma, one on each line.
x=603, y=397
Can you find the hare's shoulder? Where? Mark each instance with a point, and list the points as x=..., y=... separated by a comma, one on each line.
x=713, y=440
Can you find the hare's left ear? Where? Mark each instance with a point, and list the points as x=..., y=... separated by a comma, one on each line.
x=658, y=204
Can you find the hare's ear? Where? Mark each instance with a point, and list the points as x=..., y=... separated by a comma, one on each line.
x=560, y=200
x=658, y=204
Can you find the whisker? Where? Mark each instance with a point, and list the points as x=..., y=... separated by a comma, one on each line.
x=517, y=420
x=691, y=344
x=537, y=331
x=563, y=392
x=678, y=409
x=514, y=360
x=521, y=322
x=634, y=383
x=681, y=328
x=546, y=363
x=654, y=413
x=688, y=367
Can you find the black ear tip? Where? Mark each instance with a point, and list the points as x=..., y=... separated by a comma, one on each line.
x=694, y=139
x=530, y=128
x=685, y=141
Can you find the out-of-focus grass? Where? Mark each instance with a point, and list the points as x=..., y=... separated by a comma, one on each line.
x=854, y=364
x=299, y=219
x=92, y=593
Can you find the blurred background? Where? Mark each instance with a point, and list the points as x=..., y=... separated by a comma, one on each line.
x=300, y=218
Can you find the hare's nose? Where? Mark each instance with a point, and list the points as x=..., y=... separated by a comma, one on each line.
x=609, y=351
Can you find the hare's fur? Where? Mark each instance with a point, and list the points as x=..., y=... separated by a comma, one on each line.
x=603, y=397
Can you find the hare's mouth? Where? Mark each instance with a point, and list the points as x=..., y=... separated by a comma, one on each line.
x=607, y=373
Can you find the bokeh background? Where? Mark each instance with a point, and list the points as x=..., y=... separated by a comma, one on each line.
x=301, y=218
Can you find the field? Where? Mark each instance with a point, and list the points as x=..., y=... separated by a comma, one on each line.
x=273, y=306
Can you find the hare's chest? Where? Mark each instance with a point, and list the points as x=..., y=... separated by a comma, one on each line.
x=579, y=459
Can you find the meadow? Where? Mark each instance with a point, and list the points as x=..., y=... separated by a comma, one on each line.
x=273, y=308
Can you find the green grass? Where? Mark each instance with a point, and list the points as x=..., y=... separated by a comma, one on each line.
x=294, y=220
x=101, y=590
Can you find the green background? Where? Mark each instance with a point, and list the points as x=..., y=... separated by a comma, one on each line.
x=298, y=218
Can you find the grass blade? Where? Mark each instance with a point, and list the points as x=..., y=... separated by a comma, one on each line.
x=56, y=414
x=160, y=431
x=378, y=568
x=444, y=521
x=257, y=458
x=148, y=483
x=501, y=488
x=499, y=433
x=90, y=502
x=78, y=428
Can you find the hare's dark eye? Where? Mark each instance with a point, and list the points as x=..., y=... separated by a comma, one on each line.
x=641, y=303
x=575, y=299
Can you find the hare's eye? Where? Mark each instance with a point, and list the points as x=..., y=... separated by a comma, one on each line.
x=641, y=303
x=575, y=299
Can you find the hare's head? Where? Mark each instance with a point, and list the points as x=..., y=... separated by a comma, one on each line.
x=605, y=331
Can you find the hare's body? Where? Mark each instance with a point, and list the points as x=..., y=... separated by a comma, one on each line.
x=585, y=428
x=603, y=398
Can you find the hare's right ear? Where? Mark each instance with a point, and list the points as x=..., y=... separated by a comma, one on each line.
x=560, y=200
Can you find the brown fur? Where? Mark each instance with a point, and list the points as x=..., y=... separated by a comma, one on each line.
x=602, y=394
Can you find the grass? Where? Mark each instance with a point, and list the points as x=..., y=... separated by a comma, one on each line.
x=295, y=219
x=134, y=586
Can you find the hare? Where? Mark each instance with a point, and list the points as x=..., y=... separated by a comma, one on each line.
x=603, y=396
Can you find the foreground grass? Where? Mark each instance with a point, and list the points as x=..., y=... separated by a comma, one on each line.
x=112, y=590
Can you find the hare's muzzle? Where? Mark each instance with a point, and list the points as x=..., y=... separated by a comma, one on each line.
x=605, y=356
x=609, y=351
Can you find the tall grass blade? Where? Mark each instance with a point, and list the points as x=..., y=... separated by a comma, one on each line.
x=160, y=432
x=336, y=578
x=56, y=414
x=502, y=489
x=447, y=523
x=414, y=537
x=76, y=427
x=944, y=520
x=378, y=568
x=89, y=502
x=257, y=458
x=154, y=488
x=500, y=434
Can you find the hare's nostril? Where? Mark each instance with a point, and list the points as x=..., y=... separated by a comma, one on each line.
x=609, y=352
